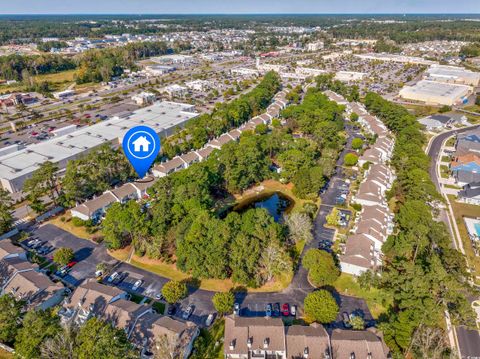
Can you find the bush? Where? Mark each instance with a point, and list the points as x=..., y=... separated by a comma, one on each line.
x=320, y=306
x=77, y=222
x=63, y=256
x=321, y=267
x=357, y=207
x=357, y=143
x=351, y=159
x=173, y=291
x=354, y=117
x=223, y=302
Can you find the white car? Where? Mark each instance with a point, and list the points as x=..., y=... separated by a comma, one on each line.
x=112, y=277
x=137, y=284
x=209, y=320
x=236, y=309
x=293, y=310
x=188, y=312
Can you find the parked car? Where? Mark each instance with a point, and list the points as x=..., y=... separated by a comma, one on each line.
x=112, y=277
x=276, y=309
x=236, y=309
x=268, y=310
x=137, y=284
x=209, y=320
x=71, y=264
x=172, y=308
x=293, y=310
x=285, y=309
x=346, y=320
x=159, y=296
x=188, y=312
x=120, y=277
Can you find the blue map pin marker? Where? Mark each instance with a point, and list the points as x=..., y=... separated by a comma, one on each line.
x=141, y=145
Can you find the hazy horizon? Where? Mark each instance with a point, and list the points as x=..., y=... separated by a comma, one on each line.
x=246, y=7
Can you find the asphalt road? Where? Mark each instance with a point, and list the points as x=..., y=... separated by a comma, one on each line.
x=468, y=340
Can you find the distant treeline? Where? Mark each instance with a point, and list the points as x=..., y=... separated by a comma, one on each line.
x=93, y=65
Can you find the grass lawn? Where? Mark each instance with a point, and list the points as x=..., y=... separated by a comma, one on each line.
x=68, y=226
x=209, y=344
x=461, y=210
x=376, y=299
x=450, y=142
x=64, y=76
x=444, y=171
x=445, y=158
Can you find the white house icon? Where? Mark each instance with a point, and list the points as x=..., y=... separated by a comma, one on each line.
x=141, y=144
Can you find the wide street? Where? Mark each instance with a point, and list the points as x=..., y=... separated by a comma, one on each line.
x=468, y=340
x=89, y=254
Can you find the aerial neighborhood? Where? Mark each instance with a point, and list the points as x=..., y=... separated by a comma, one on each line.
x=229, y=186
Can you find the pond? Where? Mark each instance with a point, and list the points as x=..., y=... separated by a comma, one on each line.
x=275, y=203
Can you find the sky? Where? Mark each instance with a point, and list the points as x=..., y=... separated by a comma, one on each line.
x=236, y=6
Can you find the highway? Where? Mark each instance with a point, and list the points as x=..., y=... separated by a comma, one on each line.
x=468, y=340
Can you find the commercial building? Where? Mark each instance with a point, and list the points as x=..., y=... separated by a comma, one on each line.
x=174, y=59
x=453, y=74
x=144, y=98
x=157, y=70
x=175, y=90
x=314, y=46
x=63, y=94
x=350, y=76
x=396, y=58
x=19, y=165
x=199, y=85
x=436, y=93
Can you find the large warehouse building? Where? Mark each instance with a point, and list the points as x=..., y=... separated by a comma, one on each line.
x=436, y=93
x=18, y=164
x=453, y=74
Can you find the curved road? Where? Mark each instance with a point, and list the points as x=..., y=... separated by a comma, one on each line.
x=468, y=340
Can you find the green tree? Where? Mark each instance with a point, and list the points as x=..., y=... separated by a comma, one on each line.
x=320, y=306
x=44, y=182
x=354, y=117
x=6, y=207
x=357, y=143
x=321, y=267
x=10, y=310
x=61, y=346
x=173, y=291
x=37, y=326
x=350, y=159
x=99, y=339
x=63, y=256
x=223, y=302
x=308, y=182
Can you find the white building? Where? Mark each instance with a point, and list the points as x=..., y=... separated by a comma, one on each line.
x=19, y=165
x=63, y=94
x=436, y=93
x=157, y=70
x=144, y=98
x=199, y=85
x=308, y=71
x=174, y=59
x=453, y=74
x=175, y=90
x=350, y=76
x=315, y=46
x=396, y=58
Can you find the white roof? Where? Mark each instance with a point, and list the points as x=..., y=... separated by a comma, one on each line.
x=453, y=72
x=434, y=88
x=159, y=116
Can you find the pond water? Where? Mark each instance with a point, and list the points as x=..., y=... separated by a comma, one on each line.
x=275, y=203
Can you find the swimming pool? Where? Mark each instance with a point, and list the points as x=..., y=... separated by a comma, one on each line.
x=477, y=228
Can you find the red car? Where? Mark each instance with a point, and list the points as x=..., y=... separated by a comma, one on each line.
x=71, y=264
x=286, y=310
